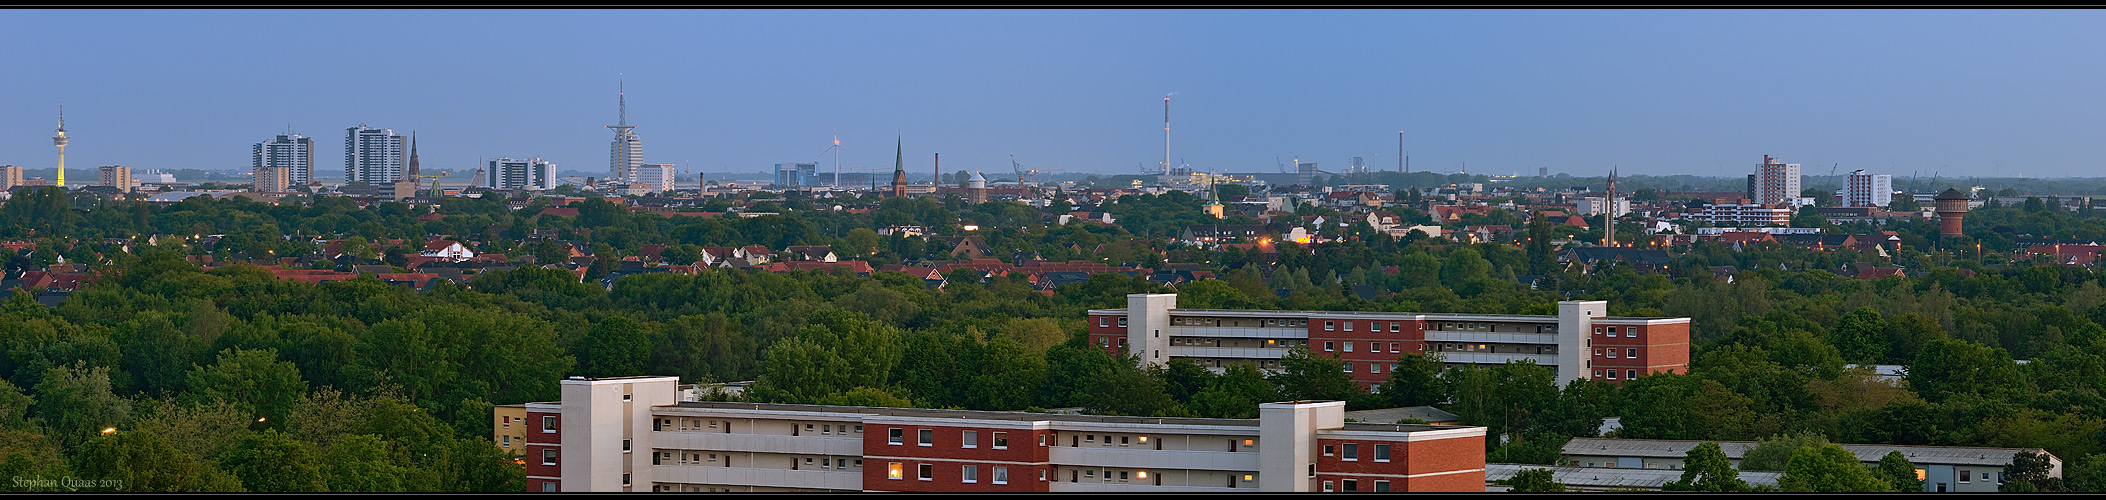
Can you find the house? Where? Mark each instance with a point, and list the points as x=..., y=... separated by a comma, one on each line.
x=1220, y=233
x=447, y=250
x=651, y=253
x=716, y=256
x=819, y=253
x=754, y=254
x=971, y=247
x=1821, y=242
x=560, y=212
x=1596, y=256
x=861, y=268
x=1943, y=468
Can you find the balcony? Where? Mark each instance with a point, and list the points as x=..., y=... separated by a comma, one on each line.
x=1491, y=337
x=1100, y=486
x=1177, y=351
x=743, y=476
x=1488, y=358
x=1118, y=457
x=759, y=443
x=1251, y=332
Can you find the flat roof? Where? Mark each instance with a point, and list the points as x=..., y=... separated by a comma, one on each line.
x=1031, y=417
x=1614, y=477
x=1666, y=448
x=1427, y=315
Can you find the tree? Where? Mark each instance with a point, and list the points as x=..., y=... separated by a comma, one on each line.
x=1235, y=394
x=1306, y=377
x=1415, y=381
x=1830, y=469
x=615, y=347
x=1540, y=259
x=1705, y=468
x=1858, y=335
x=1898, y=471
x=2087, y=475
x=860, y=241
x=143, y=461
x=2028, y=472
x=254, y=380
x=1948, y=367
x=1775, y=452
x=273, y=462
x=363, y=463
x=14, y=406
x=1535, y=481
x=866, y=396
x=201, y=430
x=704, y=348
x=77, y=403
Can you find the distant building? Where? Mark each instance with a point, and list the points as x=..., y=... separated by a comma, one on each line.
x=531, y=173
x=272, y=179
x=1595, y=205
x=654, y=177
x=10, y=176
x=116, y=176
x=1776, y=182
x=796, y=175
x=509, y=428
x=625, y=153
x=293, y=152
x=1952, y=207
x=1868, y=190
x=375, y=156
x=1736, y=214
x=1942, y=468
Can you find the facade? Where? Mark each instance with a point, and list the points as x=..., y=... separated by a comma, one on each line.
x=977, y=188
x=117, y=176
x=293, y=152
x=508, y=424
x=625, y=153
x=1739, y=214
x=1595, y=205
x=632, y=434
x=375, y=156
x=1952, y=206
x=654, y=177
x=1591, y=479
x=1776, y=182
x=1942, y=468
x=530, y=173
x=10, y=176
x=1580, y=342
x=272, y=180
x=1868, y=190
x=795, y=175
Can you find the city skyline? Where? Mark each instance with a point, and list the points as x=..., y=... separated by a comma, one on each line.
x=1656, y=92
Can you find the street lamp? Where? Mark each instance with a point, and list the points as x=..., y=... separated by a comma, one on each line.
x=109, y=430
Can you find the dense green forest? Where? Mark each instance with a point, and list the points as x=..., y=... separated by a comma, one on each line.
x=175, y=378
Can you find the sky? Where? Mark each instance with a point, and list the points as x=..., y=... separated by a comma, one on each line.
x=1658, y=92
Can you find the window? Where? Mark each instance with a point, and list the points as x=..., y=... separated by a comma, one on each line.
x=625, y=397
x=1330, y=449
x=1348, y=345
x=508, y=421
x=1381, y=453
x=894, y=471
x=1329, y=325
x=1630, y=374
x=1382, y=486
x=1329, y=346
x=1351, y=451
x=1107, y=440
x=1103, y=321
x=972, y=474
x=1312, y=470
x=1374, y=367
x=1612, y=374
x=1090, y=438
x=1328, y=487
x=1612, y=331
x=894, y=436
x=827, y=429
x=1393, y=326
x=1001, y=475
x=1122, y=476
x=548, y=424
x=1612, y=353
x=1597, y=351
x=859, y=429
x=1103, y=341
x=548, y=486
x=625, y=446
x=548, y=456
x=1597, y=373
x=1348, y=326
x=661, y=457
x=925, y=472
x=1122, y=322
x=1631, y=353
x=1631, y=332
x=1349, y=367
x=1123, y=440
x=1352, y=485
x=508, y=441
x=971, y=440
x=1597, y=330
x=1392, y=345
x=1122, y=342
x=925, y=437
x=1966, y=476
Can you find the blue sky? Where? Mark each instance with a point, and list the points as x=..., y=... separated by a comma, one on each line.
x=1704, y=92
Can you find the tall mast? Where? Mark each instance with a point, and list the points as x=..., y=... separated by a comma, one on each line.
x=60, y=141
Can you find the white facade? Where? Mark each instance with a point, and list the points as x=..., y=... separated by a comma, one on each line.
x=624, y=155
x=294, y=152
x=373, y=155
x=654, y=177
x=531, y=173
x=1868, y=190
x=1776, y=183
x=1743, y=215
x=1595, y=205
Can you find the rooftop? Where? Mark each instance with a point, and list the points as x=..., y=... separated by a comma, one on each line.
x=1664, y=448
x=1033, y=417
x=1609, y=477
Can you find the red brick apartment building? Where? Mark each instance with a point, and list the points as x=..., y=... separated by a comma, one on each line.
x=632, y=434
x=1580, y=342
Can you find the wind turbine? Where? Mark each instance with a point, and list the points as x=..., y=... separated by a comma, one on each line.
x=836, y=149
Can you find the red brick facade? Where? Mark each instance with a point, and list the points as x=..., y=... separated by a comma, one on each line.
x=1658, y=349
x=1024, y=457
x=1329, y=336
x=1443, y=465
x=540, y=438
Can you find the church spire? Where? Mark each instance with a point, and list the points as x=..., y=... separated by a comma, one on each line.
x=414, y=170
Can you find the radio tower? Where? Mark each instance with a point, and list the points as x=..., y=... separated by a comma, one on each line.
x=60, y=141
x=1166, y=134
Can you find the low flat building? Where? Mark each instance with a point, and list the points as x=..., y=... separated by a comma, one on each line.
x=1580, y=342
x=1606, y=479
x=633, y=434
x=1942, y=468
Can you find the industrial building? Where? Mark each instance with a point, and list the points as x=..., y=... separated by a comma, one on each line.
x=1580, y=342
x=1942, y=468
x=635, y=434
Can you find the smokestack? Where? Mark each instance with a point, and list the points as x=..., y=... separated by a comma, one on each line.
x=937, y=182
x=1166, y=134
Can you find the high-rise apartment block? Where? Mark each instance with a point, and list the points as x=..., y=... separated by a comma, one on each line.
x=1596, y=205
x=1776, y=182
x=294, y=152
x=10, y=176
x=1868, y=190
x=636, y=434
x=1580, y=342
x=272, y=179
x=625, y=154
x=117, y=176
x=375, y=156
x=656, y=177
x=531, y=173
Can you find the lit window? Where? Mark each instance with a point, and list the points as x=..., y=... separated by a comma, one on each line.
x=1001, y=440
x=1249, y=477
x=895, y=470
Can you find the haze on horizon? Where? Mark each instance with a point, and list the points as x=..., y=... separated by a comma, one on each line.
x=1656, y=92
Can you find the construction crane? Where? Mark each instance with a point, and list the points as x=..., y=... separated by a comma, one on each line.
x=1016, y=167
x=1282, y=164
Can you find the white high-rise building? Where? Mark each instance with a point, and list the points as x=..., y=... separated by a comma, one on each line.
x=1868, y=190
x=294, y=152
x=374, y=155
x=1775, y=182
x=531, y=173
x=1595, y=205
x=655, y=177
x=626, y=152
